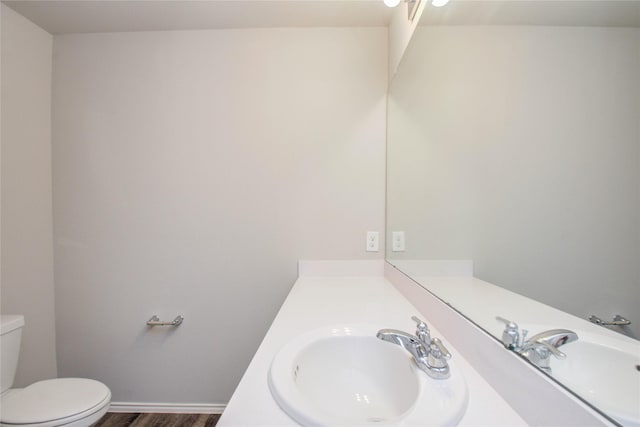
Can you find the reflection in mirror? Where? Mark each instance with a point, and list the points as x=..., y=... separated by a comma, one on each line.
x=514, y=150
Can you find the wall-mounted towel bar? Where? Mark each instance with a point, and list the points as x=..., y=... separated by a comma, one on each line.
x=155, y=321
x=617, y=321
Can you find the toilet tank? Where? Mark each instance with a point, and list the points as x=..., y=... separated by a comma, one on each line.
x=10, y=336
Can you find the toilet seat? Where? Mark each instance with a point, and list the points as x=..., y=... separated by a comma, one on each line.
x=56, y=402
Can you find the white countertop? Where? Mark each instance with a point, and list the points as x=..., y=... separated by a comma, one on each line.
x=315, y=302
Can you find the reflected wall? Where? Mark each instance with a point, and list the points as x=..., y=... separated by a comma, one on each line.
x=518, y=147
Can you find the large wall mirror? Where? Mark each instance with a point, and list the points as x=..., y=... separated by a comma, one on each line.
x=513, y=180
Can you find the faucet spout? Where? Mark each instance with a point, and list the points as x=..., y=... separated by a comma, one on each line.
x=539, y=348
x=395, y=336
x=555, y=337
x=404, y=340
x=431, y=356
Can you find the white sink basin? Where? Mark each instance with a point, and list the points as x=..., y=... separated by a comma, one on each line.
x=604, y=375
x=346, y=376
x=602, y=369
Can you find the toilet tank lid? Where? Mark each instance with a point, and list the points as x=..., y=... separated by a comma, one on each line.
x=9, y=322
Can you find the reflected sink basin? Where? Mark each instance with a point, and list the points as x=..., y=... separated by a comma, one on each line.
x=602, y=369
x=346, y=376
x=604, y=375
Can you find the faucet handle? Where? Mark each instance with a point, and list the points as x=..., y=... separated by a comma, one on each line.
x=420, y=323
x=539, y=352
x=509, y=324
x=438, y=350
x=438, y=356
x=422, y=332
x=523, y=337
x=511, y=337
x=552, y=349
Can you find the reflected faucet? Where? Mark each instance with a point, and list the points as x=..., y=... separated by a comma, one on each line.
x=428, y=353
x=539, y=348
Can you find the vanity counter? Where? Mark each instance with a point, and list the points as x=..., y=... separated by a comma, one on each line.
x=316, y=301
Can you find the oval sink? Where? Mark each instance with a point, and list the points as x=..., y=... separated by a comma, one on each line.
x=346, y=376
x=603, y=370
x=604, y=375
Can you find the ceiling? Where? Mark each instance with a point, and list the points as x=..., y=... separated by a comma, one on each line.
x=95, y=16
x=602, y=13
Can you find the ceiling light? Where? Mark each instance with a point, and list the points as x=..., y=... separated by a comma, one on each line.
x=392, y=3
x=439, y=3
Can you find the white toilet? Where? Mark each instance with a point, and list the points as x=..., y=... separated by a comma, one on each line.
x=69, y=402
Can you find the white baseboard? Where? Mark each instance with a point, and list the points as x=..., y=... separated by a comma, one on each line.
x=168, y=408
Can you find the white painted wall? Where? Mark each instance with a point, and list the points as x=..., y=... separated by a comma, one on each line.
x=191, y=171
x=523, y=151
x=401, y=29
x=27, y=231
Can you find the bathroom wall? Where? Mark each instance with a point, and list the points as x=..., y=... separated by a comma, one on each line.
x=524, y=147
x=27, y=232
x=401, y=30
x=191, y=171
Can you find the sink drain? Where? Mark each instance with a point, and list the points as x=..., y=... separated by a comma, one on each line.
x=376, y=420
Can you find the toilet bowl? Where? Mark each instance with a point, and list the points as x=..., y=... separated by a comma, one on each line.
x=69, y=402
x=65, y=402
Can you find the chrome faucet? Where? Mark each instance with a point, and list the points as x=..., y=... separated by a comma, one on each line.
x=539, y=348
x=428, y=353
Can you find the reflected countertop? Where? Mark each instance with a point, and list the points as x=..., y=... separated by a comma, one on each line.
x=601, y=366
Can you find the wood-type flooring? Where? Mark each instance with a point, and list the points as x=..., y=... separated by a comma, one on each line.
x=114, y=419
